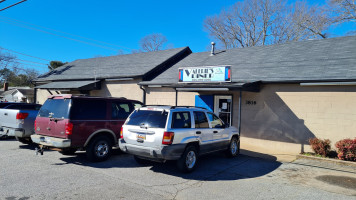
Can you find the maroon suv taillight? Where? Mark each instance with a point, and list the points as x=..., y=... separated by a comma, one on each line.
x=35, y=125
x=68, y=128
x=21, y=115
x=121, y=133
x=168, y=138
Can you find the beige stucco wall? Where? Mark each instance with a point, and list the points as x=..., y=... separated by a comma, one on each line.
x=285, y=116
x=127, y=89
x=290, y=114
x=42, y=95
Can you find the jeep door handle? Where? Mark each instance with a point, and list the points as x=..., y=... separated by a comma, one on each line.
x=215, y=131
x=198, y=132
x=5, y=113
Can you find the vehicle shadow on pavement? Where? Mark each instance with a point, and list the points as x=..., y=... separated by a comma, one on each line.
x=211, y=167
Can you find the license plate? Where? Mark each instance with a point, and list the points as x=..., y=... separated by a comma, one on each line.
x=141, y=136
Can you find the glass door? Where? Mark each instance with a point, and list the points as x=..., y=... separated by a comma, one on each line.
x=223, y=107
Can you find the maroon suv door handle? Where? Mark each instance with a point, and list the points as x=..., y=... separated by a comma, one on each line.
x=48, y=128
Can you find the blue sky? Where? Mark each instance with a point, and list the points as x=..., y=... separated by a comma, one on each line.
x=122, y=23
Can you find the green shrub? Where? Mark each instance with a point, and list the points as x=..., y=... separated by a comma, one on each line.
x=320, y=147
x=346, y=149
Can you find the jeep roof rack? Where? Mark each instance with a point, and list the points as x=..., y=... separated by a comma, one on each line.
x=189, y=107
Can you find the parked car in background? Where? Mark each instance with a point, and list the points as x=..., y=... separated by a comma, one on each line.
x=161, y=133
x=17, y=119
x=68, y=123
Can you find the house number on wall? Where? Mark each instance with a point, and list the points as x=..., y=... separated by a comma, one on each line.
x=249, y=102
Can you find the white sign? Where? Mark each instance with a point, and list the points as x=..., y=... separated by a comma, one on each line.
x=205, y=74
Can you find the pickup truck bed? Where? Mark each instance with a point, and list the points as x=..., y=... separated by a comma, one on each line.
x=18, y=120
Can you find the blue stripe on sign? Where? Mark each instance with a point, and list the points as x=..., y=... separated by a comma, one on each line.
x=226, y=73
x=181, y=74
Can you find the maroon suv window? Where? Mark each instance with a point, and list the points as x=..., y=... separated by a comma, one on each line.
x=121, y=110
x=88, y=109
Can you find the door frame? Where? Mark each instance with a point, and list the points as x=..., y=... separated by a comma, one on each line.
x=232, y=106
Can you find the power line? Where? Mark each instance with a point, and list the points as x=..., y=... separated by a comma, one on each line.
x=18, y=21
x=12, y=5
x=30, y=61
x=73, y=39
x=2, y=1
x=92, y=44
x=26, y=64
x=24, y=54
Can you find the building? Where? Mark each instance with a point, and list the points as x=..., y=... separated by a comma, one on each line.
x=279, y=95
x=114, y=76
x=17, y=94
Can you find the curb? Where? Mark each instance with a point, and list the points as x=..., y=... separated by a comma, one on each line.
x=328, y=160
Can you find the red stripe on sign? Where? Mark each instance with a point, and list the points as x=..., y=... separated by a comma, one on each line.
x=229, y=76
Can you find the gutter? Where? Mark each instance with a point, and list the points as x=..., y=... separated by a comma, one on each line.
x=144, y=94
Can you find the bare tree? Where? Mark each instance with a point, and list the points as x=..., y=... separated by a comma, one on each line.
x=6, y=60
x=343, y=10
x=263, y=22
x=153, y=42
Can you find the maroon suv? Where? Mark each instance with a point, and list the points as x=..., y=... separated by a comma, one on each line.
x=68, y=123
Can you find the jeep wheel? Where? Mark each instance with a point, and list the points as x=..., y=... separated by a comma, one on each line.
x=234, y=147
x=188, y=161
x=24, y=140
x=70, y=151
x=99, y=149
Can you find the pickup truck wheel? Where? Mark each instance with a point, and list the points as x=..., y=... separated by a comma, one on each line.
x=99, y=149
x=24, y=140
x=234, y=147
x=188, y=161
x=70, y=151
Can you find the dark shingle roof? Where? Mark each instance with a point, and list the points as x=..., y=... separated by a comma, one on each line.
x=311, y=60
x=128, y=65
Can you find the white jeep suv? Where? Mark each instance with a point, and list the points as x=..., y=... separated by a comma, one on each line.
x=179, y=133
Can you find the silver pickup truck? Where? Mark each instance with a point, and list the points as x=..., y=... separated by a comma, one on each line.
x=18, y=120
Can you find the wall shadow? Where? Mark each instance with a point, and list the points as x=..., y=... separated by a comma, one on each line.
x=213, y=167
x=273, y=120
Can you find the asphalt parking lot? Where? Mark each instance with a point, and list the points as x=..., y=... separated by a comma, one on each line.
x=23, y=175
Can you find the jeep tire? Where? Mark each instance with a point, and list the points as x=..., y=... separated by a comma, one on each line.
x=234, y=147
x=188, y=161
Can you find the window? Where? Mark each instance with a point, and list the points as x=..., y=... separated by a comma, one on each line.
x=200, y=120
x=121, y=110
x=24, y=107
x=56, y=108
x=215, y=121
x=181, y=120
x=88, y=109
x=137, y=105
x=148, y=118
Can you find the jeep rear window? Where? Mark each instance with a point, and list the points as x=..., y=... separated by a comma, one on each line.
x=56, y=108
x=148, y=118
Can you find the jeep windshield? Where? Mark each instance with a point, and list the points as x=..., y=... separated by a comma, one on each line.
x=55, y=108
x=148, y=118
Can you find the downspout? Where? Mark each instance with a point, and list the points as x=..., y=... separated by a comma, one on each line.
x=239, y=122
x=144, y=94
x=34, y=92
x=176, y=96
